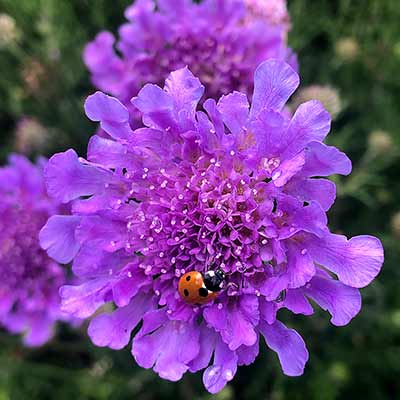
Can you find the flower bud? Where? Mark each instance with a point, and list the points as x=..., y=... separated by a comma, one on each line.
x=33, y=74
x=339, y=372
x=8, y=30
x=30, y=136
x=380, y=142
x=327, y=95
x=395, y=318
x=395, y=225
x=347, y=49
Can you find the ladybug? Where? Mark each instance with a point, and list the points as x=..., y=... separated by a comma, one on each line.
x=197, y=288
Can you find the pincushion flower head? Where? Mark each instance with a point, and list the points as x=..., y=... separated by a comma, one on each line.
x=229, y=189
x=221, y=41
x=30, y=279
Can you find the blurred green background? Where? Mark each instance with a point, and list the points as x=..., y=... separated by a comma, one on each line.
x=351, y=47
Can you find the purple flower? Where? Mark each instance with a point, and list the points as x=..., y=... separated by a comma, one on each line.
x=231, y=187
x=222, y=42
x=29, y=300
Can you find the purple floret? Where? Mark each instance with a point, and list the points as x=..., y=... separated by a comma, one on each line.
x=233, y=186
x=222, y=42
x=29, y=278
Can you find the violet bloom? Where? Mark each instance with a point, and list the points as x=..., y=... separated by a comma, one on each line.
x=219, y=40
x=30, y=280
x=231, y=187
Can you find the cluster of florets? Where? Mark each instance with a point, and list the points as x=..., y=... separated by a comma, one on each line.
x=232, y=187
x=30, y=279
x=222, y=43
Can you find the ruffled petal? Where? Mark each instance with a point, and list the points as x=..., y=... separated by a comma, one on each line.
x=356, y=262
x=156, y=105
x=108, y=70
x=289, y=346
x=268, y=310
x=296, y=302
x=311, y=122
x=186, y=91
x=114, y=329
x=288, y=169
x=207, y=341
x=109, y=153
x=322, y=191
x=91, y=261
x=107, y=233
x=67, y=178
x=234, y=109
x=57, y=237
x=236, y=322
x=154, y=142
x=128, y=284
x=152, y=98
x=223, y=369
x=248, y=354
x=110, y=112
x=341, y=301
x=323, y=160
x=300, y=266
x=39, y=330
x=83, y=300
x=267, y=130
x=274, y=82
x=162, y=349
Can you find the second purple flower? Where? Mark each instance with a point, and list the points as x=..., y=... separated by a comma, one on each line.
x=221, y=41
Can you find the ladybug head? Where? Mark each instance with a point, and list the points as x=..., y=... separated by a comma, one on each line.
x=221, y=274
x=214, y=280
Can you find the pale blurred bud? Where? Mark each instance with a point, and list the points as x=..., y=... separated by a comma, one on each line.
x=395, y=225
x=396, y=49
x=33, y=74
x=339, y=372
x=274, y=11
x=30, y=136
x=395, y=317
x=327, y=95
x=384, y=196
x=380, y=142
x=8, y=31
x=347, y=49
x=225, y=394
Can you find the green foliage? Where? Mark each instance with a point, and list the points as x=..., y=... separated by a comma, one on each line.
x=350, y=45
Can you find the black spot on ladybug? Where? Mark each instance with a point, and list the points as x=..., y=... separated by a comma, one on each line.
x=186, y=292
x=203, y=292
x=188, y=278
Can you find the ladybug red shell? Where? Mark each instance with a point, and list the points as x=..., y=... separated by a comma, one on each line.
x=196, y=288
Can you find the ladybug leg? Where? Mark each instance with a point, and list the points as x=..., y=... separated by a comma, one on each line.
x=281, y=297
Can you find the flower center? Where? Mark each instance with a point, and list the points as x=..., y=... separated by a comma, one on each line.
x=194, y=216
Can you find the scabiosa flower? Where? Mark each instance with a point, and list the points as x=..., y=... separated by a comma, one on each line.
x=219, y=40
x=230, y=187
x=30, y=279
